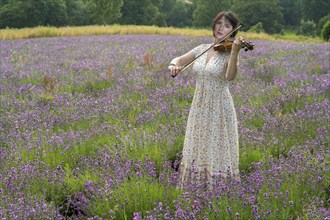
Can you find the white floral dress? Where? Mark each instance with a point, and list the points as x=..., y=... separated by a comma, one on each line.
x=211, y=139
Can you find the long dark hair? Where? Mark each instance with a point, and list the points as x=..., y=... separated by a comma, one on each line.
x=230, y=16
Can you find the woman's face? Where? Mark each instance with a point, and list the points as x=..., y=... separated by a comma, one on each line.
x=222, y=27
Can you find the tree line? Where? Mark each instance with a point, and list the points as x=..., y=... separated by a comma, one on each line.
x=307, y=17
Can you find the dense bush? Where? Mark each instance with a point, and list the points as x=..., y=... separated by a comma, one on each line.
x=258, y=28
x=325, y=33
x=307, y=28
x=321, y=23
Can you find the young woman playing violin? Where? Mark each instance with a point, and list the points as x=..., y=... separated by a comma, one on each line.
x=211, y=141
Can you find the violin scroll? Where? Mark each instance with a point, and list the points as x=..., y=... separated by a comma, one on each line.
x=247, y=45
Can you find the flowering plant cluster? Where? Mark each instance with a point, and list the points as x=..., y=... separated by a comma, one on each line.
x=92, y=127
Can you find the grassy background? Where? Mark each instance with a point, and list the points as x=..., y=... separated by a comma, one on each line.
x=35, y=32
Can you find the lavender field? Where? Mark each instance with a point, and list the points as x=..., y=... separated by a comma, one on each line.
x=92, y=127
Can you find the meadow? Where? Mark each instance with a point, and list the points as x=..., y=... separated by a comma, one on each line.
x=92, y=127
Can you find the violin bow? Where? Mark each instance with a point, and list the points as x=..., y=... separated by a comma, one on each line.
x=216, y=43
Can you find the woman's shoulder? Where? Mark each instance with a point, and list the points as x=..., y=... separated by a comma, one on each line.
x=200, y=48
x=204, y=45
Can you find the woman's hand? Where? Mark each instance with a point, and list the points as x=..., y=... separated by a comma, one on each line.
x=174, y=69
x=177, y=64
x=237, y=45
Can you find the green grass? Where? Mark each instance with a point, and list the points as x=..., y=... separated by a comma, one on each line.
x=88, y=87
x=286, y=203
x=53, y=156
x=34, y=78
x=250, y=155
x=135, y=195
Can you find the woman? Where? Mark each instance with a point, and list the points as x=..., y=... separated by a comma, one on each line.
x=211, y=141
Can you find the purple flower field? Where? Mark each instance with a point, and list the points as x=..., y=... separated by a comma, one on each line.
x=92, y=127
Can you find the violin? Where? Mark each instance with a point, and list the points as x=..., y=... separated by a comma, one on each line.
x=227, y=44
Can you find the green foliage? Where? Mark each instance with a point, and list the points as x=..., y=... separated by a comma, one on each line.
x=258, y=28
x=30, y=13
x=291, y=12
x=77, y=11
x=56, y=15
x=273, y=14
x=255, y=11
x=220, y=208
x=66, y=189
x=314, y=10
x=17, y=13
x=326, y=31
x=88, y=87
x=288, y=200
x=248, y=156
x=138, y=12
x=167, y=6
x=307, y=28
x=206, y=10
x=160, y=20
x=105, y=11
x=321, y=23
x=180, y=15
x=134, y=194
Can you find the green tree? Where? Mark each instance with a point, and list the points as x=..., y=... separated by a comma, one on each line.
x=325, y=33
x=3, y=2
x=291, y=12
x=159, y=20
x=157, y=3
x=180, y=15
x=167, y=6
x=268, y=12
x=30, y=13
x=56, y=15
x=77, y=13
x=206, y=10
x=12, y=15
x=23, y=13
x=140, y=12
x=105, y=11
x=307, y=28
x=314, y=9
x=258, y=28
x=322, y=22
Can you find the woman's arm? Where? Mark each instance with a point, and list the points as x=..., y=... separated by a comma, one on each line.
x=179, y=62
x=232, y=66
x=231, y=71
